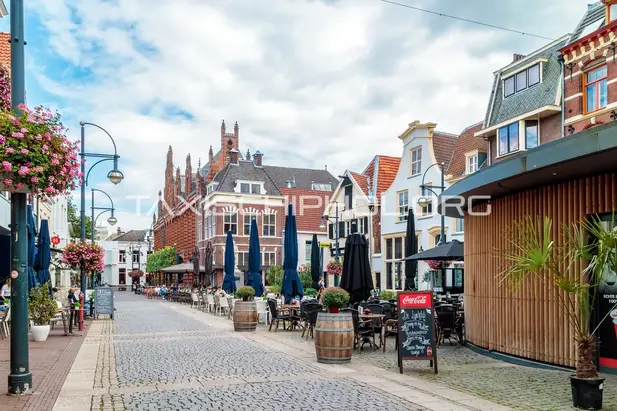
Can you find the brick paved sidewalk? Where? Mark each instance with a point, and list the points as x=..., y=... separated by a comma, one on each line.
x=50, y=362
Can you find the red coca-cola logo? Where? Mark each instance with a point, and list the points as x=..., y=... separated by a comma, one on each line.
x=415, y=301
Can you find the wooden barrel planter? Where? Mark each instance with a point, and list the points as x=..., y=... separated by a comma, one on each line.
x=245, y=316
x=334, y=338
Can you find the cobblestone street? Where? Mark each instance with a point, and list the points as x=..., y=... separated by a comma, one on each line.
x=157, y=355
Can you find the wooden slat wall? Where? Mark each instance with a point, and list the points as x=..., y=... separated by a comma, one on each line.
x=530, y=322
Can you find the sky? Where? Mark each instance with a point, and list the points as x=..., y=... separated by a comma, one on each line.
x=310, y=82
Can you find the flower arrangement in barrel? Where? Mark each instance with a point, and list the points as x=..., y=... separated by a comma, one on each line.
x=35, y=155
x=90, y=254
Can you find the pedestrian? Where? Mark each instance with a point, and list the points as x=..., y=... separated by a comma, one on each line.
x=72, y=299
x=5, y=292
x=322, y=286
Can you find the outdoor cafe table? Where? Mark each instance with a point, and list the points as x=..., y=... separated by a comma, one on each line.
x=291, y=309
x=379, y=317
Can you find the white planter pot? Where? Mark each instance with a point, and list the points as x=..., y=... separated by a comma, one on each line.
x=40, y=332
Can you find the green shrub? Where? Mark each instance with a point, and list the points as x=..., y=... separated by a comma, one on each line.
x=245, y=292
x=275, y=289
x=274, y=276
x=311, y=292
x=41, y=305
x=335, y=297
x=387, y=295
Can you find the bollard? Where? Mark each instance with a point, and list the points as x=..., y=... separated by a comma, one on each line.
x=81, y=312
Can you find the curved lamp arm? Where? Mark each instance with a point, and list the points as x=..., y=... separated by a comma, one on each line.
x=93, y=165
x=424, y=176
x=101, y=191
x=85, y=123
x=97, y=217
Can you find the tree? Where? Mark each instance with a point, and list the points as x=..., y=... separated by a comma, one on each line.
x=74, y=221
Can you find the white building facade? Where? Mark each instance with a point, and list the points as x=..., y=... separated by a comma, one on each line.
x=425, y=152
x=124, y=254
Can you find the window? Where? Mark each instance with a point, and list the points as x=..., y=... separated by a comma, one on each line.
x=389, y=276
x=321, y=187
x=247, y=218
x=269, y=224
x=308, y=248
x=122, y=276
x=521, y=80
x=403, y=205
x=136, y=256
x=269, y=258
x=245, y=188
x=398, y=275
x=363, y=225
x=210, y=188
x=508, y=139
x=255, y=189
x=348, y=197
x=437, y=239
x=459, y=224
x=394, y=265
x=122, y=256
x=472, y=164
x=416, y=161
x=388, y=249
x=612, y=12
x=398, y=248
x=331, y=231
x=378, y=281
x=230, y=222
x=596, y=89
x=243, y=258
x=531, y=134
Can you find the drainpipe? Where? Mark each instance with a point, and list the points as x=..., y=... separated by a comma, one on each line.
x=563, y=95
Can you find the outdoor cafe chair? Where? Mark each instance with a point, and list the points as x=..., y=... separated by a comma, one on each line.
x=194, y=300
x=446, y=316
x=311, y=311
x=210, y=303
x=363, y=330
x=263, y=312
x=5, y=330
x=277, y=316
x=223, y=306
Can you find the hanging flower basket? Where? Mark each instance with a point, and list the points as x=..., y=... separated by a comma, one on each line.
x=334, y=268
x=35, y=155
x=436, y=264
x=136, y=273
x=90, y=254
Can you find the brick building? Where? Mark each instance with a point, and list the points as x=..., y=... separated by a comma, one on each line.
x=246, y=189
x=590, y=69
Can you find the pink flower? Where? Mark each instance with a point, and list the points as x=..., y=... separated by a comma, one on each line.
x=34, y=180
x=2, y=139
x=20, y=186
x=18, y=135
x=7, y=166
x=23, y=170
x=10, y=150
x=24, y=130
x=24, y=151
x=7, y=181
x=54, y=162
x=39, y=137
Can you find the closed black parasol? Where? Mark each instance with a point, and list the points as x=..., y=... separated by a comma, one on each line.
x=411, y=248
x=356, y=278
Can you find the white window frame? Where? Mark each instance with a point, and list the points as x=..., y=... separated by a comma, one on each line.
x=248, y=188
x=271, y=258
x=415, y=166
x=238, y=187
x=251, y=217
x=308, y=248
x=402, y=209
x=459, y=225
x=472, y=163
x=270, y=224
x=513, y=77
x=393, y=262
x=122, y=256
x=228, y=220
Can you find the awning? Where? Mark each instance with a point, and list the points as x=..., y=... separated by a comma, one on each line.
x=182, y=268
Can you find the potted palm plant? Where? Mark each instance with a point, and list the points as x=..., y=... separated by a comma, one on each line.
x=42, y=309
x=535, y=253
x=245, y=311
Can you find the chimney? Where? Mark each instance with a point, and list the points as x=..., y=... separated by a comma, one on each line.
x=248, y=155
x=233, y=156
x=288, y=184
x=257, y=158
x=517, y=57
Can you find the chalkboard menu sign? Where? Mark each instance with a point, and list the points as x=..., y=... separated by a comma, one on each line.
x=104, y=301
x=416, y=328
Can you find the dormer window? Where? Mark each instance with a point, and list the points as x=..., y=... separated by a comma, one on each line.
x=521, y=80
x=250, y=187
x=611, y=12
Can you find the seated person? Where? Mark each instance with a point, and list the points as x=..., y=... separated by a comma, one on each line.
x=164, y=290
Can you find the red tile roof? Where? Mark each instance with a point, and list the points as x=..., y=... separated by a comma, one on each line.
x=309, y=206
x=443, y=146
x=466, y=142
x=5, y=50
x=361, y=180
x=387, y=169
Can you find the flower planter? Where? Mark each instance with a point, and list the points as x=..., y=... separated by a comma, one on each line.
x=40, y=332
x=333, y=310
x=587, y=394
x=245, y=316
x=334, y=337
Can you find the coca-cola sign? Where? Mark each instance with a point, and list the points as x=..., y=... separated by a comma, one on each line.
x=415, y=300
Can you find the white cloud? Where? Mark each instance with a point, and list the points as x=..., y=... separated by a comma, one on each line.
x=310, y=83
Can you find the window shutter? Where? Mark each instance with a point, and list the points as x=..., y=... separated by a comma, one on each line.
x=341, y=229
x=331, y=231
x=366, y=230
x=354, y=225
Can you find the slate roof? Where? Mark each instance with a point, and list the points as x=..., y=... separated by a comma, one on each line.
x=465, y=143
x=308, y=217
x=303, y=177
x=5, y=50
x=244, y=170
x=502, y=109
x=133, y=235
x=443, y=146
x=596, y=12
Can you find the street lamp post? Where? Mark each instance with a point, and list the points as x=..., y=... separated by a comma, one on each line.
x=424, y=201
x=115, y=176
x=20, y=377
x=111, y=220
